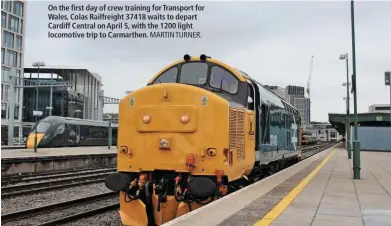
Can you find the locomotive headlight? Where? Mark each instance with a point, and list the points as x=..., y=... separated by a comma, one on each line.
x=146, y=118
x=184, y=118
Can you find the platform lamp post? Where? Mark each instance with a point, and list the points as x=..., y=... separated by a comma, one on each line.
x=356, y=142
x=347, y=128
x=109, y=132
x=387, y=75
x=37, y=113
x=345, y=57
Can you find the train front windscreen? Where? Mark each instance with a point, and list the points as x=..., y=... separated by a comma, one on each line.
x=40, y=130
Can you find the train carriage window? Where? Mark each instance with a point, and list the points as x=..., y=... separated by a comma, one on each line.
x=84, y=132
x=194, y=73
x=265, y=122
x=221, y=78
x=169, y=76
x=60, y=129
x=98, y=132
x=105, y=132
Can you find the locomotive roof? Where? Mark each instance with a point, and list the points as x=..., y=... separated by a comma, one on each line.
x=270, y=96
x=78, y=121
x=241, y=76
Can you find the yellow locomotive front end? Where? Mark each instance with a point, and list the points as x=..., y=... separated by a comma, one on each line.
x=179, y=145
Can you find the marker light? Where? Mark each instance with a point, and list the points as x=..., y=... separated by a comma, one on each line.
x=190, y=160
x=146, y=118
x=184, y=118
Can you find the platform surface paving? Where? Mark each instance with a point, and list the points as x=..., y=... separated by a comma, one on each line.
x=15, y=153
x=332, y=197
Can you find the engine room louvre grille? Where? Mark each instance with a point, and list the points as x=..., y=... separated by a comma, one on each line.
x=236, y=132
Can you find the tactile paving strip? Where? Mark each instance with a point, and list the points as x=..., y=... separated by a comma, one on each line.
x=256, y=210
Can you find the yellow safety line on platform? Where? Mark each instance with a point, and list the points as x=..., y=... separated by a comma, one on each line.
x=284, y=203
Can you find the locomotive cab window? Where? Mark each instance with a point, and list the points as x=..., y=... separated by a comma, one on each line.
x=194, y=73
x=222, y=79
x=170, y=76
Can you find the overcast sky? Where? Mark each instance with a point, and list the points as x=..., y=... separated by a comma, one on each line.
x=271, y=41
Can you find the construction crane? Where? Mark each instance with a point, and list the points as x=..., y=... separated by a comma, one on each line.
x=309, y=79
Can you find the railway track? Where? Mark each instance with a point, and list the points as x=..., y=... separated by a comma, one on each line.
x=55, y=182
x=31, y=177
x=308, y=151
x=72, y=210
x=63, y=212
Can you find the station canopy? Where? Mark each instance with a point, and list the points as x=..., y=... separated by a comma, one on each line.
x=338, y=121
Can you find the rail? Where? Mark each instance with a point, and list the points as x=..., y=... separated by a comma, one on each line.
x=30, y=188
x=6, y=180
x=49, y=209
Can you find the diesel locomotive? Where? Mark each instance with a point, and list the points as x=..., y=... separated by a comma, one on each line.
x=56, y=131
x=199, y=130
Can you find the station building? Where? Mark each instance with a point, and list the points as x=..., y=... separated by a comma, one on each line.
x=13, y=14
x=61, y=91
x=70, y=91
x=374, y=129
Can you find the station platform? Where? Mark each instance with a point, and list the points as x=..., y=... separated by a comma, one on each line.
x=318, y=191
x=55, y=159
x=63, y=151
x=3, y=147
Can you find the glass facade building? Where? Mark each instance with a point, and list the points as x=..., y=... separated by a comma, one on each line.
x=63, y=102
x=302, y=104
x=71, y=92
x=294, y=95
x=12, y=53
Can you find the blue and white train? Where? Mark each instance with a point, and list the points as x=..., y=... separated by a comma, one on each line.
x=278, y=127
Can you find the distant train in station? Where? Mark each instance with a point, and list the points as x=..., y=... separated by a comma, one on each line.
x=308, y=140
x=55, y=131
